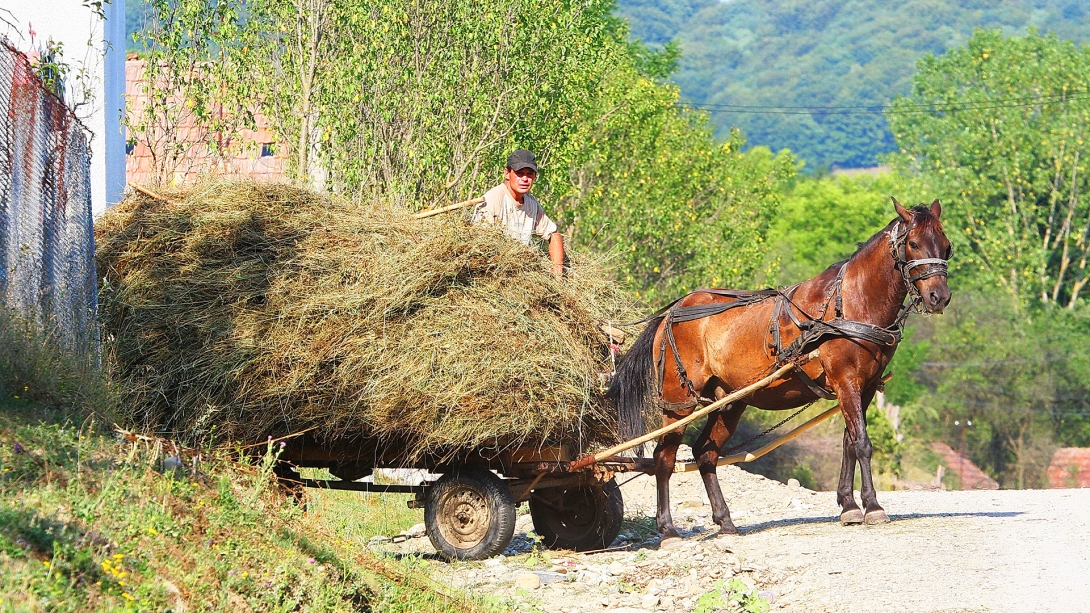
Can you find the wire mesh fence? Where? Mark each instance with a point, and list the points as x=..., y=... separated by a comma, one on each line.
x=47, y=268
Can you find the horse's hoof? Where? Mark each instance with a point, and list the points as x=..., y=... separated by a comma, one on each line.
x=874, y=518
x=852, y=517
x=730, y=530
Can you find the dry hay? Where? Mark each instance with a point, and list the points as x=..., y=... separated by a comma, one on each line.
x=239, y=310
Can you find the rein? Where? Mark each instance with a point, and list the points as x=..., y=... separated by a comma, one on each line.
x=812, y=330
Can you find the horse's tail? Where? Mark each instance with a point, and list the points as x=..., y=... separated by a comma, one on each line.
x=634, y=382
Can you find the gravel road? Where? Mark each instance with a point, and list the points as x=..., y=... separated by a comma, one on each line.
x=1004, y=551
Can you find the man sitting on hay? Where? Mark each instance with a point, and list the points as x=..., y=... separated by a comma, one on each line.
x=518, y=213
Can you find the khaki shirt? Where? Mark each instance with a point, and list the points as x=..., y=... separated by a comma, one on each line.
x=519, y=221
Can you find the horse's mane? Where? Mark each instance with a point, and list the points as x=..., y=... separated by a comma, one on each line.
x=919, y=209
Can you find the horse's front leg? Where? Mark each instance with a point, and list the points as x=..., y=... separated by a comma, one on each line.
x=850, y=514
x=665, y=457
x=854, y=406
x=717, y=431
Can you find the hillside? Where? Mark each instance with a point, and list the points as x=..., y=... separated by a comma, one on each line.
x=808, y=53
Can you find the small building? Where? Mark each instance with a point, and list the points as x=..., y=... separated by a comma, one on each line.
x=1070, y=467
x=253, y=153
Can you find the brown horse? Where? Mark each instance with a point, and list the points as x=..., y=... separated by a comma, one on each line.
x=717, y=341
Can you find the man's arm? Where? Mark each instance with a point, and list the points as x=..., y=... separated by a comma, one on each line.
x=556, y=254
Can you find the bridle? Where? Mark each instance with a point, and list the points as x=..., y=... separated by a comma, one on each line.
x=934, y=266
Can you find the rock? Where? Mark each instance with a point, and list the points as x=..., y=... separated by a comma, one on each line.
x=417, y=531
x=793, y=483
x=548, y=577
x=685, y=453
x=649, y=601
x=171, y=464
x=768, y=595
x=616, y=569
x=691, y=503
x=627, y=610
x=673, y=542
x=527, y=581
x=496, y=561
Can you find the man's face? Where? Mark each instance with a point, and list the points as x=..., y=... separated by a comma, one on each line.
x=520, y=181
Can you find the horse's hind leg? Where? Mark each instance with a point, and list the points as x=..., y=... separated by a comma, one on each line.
x=717, y=431
x=665, y=457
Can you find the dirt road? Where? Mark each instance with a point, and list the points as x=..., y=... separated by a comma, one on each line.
x=1003, y=551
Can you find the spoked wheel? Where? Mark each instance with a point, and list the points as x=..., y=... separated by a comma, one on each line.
x=583, y=518
x=469, y=514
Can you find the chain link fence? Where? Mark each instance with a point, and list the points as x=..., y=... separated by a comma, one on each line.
x=47, y=267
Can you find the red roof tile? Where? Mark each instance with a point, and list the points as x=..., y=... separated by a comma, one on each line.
x=1070, y=467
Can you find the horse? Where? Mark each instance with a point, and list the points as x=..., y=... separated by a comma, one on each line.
x=717, y=341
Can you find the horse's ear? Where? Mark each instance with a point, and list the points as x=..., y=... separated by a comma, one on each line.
x=936, y=208
x=902, y=211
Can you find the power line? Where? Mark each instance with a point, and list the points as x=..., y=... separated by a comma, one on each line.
x=880, y=109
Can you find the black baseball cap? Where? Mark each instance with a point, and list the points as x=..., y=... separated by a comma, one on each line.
x=521, y=158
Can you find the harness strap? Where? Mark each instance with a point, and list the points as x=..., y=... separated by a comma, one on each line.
x=819, y=390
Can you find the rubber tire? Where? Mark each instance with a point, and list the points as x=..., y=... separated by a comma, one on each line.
x=597, y=531
x=482, y=486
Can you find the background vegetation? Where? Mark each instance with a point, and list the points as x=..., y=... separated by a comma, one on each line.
x=796, y=53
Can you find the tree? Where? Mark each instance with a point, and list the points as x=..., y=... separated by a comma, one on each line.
x=999, y=130
x=195, y=89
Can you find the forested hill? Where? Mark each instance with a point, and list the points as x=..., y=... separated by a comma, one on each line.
x=805, y=53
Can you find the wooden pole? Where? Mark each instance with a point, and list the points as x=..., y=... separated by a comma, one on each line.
x=151, y=194
x=749, y=456
x=590, y=460
x=448, y=208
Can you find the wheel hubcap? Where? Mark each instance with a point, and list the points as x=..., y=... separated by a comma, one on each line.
x=464, y=517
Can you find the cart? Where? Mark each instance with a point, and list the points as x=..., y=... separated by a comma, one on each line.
x=469, y=511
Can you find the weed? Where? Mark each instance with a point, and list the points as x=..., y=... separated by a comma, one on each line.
x=731, y=596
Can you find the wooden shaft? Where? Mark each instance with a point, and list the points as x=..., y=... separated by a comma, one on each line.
x=148, y=192
x=448, y=208
x=681, y=423
x=749, y=456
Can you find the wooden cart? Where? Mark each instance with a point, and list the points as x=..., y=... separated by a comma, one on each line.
x=469, y=511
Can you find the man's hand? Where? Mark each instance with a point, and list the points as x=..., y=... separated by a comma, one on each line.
x=556, y=254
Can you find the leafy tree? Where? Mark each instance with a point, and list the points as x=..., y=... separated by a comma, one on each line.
x=187, y=113
x=822, y=221
x=1021, y=381
x=1008, y=148
x=679, y=209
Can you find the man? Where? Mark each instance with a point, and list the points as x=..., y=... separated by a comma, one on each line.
x=510, y=205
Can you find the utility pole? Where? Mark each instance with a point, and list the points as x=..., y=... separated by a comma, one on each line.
x=961, y=452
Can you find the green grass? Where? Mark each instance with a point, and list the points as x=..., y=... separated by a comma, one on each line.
x=88, y=523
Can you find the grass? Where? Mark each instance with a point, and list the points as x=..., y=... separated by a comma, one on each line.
x=86, y=524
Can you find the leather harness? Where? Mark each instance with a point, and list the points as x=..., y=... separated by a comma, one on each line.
x=813, y=331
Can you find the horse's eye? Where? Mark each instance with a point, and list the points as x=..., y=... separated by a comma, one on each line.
x=913, y=244
x=949, y=253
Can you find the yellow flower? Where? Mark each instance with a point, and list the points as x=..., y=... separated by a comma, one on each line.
x=152, y=531
x=128, y=596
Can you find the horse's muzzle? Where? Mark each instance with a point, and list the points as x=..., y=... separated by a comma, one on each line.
x=936, y=298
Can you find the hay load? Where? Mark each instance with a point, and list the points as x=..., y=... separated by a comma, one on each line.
x=238, y=310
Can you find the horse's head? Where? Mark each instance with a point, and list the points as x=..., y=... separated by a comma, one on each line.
x=921, y=252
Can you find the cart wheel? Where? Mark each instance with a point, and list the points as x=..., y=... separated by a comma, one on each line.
x=583, y=519
x=469, y=514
